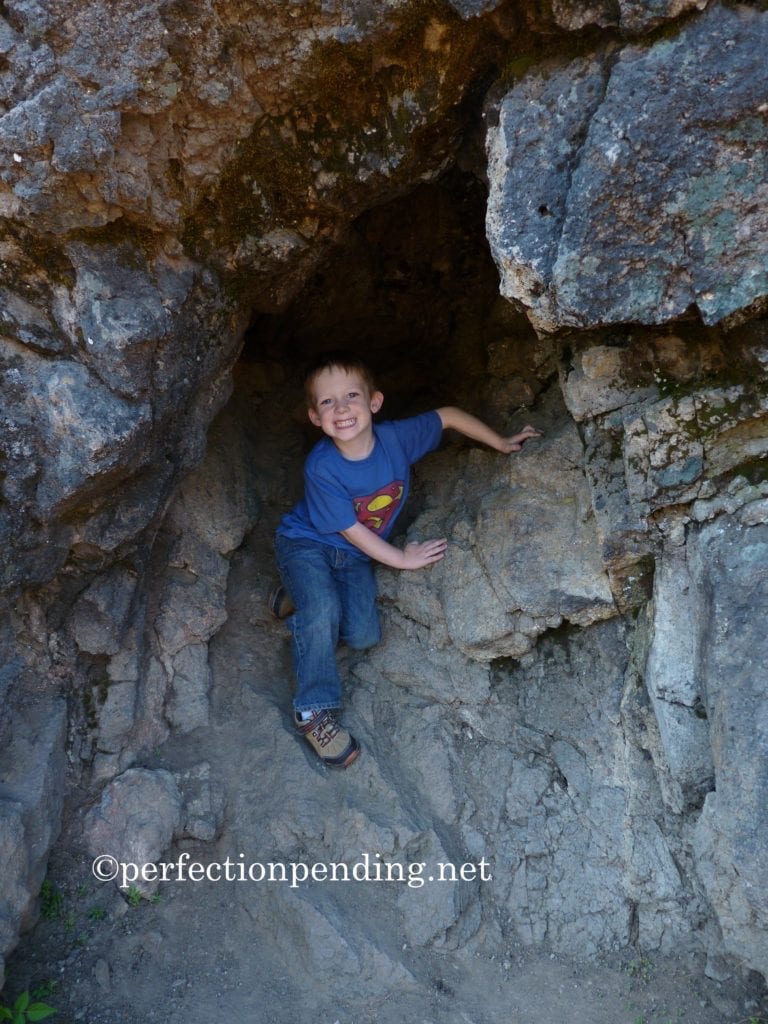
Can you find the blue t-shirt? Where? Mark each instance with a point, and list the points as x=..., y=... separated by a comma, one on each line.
x=339, y=492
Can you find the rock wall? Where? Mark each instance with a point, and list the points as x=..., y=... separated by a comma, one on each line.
x=169, y=173
x=617, y=197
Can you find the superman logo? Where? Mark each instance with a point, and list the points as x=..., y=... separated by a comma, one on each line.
x=376, y=510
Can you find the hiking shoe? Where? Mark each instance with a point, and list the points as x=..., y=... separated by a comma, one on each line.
x=279, y=602
x=331, y=742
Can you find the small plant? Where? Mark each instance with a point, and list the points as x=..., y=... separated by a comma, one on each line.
x=97, y=914
x=133, y=896
x=51, y=900
x=24, y=1010
x=45, y=988
x=640, y=968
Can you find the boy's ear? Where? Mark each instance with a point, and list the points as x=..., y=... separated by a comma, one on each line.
x=313, y=417
x=377, y=400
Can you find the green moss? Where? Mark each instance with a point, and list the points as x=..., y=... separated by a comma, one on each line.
x=754, y=471
x=616, y=453
x=518, y=66
x=714, y=418
x=89, y=709
x=39, y=251
x=125, y=237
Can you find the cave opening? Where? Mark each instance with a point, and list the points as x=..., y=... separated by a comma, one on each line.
x=413, y=290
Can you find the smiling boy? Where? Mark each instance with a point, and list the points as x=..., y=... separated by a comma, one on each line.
x=356, y=481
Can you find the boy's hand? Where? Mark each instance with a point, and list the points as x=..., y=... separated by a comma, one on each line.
x=417, y=556
x=413, y=556
x=516, y=442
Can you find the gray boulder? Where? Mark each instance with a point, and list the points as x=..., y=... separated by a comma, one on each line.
x=732, y=832
x=523, y=556
x=133, y=824
x=626, y=187
x=32, y=769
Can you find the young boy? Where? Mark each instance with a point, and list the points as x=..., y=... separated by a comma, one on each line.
x=356, y=482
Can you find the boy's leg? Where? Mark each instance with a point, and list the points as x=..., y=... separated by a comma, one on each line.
x=306, y=570
x=359, y=627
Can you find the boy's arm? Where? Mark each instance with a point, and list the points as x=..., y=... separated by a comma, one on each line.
x=470, y=426
x=414, y=556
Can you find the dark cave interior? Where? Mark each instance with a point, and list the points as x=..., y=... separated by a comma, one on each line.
x=413, y=290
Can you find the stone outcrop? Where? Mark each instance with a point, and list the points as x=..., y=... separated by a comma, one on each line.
x=576, y=693
x=729, y=560
x=32, y=768
x=501, y=552
x=629, y=185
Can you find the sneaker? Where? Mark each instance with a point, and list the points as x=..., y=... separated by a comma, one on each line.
x=331, y=742
x=279, y=602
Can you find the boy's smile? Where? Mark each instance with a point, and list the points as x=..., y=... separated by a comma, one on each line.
x=343, y=409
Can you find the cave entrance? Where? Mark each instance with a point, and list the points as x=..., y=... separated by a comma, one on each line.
x=412, y=289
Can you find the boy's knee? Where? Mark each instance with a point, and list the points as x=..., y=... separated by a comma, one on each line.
x=317, y=619
x=361, y=640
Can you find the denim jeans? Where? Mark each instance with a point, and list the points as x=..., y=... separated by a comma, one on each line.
x=334, y=594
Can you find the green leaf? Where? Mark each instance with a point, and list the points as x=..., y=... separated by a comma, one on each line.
x=19, y=1017
x=22, y=1002
x=39, y=1011
x=5, y=1013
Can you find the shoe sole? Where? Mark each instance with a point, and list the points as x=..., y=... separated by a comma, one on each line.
x=348, y=760
x=279, y=603
x=351, y=757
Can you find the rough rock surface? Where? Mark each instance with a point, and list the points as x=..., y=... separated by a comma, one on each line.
x=729, y=558
x=169, y=175
x=630, y=186
x=31, y=801
x=501, y=552
x=134, y=822
x=632, y=16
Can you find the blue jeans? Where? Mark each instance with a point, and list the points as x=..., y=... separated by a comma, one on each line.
x=334, y=594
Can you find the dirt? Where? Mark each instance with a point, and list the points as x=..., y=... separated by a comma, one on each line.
x=207, y=952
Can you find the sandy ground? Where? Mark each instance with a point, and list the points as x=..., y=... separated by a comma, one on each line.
x=206, y=952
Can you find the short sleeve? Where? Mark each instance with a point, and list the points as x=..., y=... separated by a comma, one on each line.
x=419, y=434
x=329, y=506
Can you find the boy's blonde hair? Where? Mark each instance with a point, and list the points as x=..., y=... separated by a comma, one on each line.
x=337, y=359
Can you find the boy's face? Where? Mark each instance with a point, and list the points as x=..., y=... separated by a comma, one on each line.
x=343, y=408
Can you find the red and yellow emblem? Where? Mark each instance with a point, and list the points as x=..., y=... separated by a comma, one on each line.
x=376, y=510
